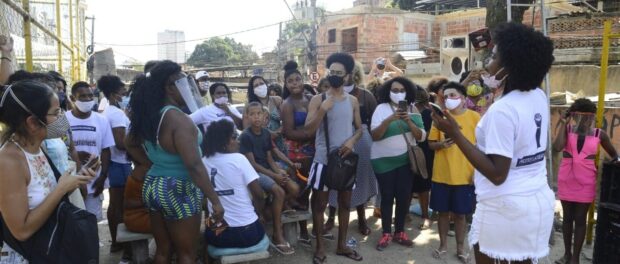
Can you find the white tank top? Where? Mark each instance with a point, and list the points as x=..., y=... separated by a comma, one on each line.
x=42, y=182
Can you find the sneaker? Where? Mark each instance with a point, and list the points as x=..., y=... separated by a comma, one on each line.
x=401, y=238
x=384, y=242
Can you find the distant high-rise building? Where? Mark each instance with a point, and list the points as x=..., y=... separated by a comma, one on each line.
x=171, y=46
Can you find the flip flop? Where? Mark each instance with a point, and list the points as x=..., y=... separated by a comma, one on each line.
x=464, y=258
x=283, y=252
x=351, y=255
x=317, y=260
x=306, y=242
x=439, y=254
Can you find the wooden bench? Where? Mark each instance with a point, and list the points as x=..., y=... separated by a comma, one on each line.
x=289, y=226
x=138, y=241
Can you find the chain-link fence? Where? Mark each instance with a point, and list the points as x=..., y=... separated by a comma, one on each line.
x=51, y=21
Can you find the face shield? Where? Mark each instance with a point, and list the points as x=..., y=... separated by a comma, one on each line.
x=189, y=92
x=583, y=123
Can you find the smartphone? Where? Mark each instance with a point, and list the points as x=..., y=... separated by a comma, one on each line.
x=437, y=110
x=402, y=106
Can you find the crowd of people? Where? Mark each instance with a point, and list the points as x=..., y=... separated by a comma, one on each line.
x=165, y=160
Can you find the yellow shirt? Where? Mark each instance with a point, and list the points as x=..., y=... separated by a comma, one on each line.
x=450, y=165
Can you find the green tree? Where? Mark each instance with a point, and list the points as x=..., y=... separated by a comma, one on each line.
x=222, y=51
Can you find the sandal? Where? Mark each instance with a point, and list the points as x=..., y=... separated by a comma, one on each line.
x=439, y=254
x=306, y=242
x=317, y=260
x=351, y=255
x=284, y=249
x=426, y=224
x=464, y=258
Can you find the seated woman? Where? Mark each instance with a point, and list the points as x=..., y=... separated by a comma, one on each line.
x=135, y=214
x=236, y=183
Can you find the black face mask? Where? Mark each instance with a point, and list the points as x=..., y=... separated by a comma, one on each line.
x=380, y=67
x=335, y=81
x=62, y=97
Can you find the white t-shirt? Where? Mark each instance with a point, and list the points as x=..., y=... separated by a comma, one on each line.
x=91, y=135
x=515, y=127
x=117, y=118
x=230, y=175
x=212, y=113
x=103, y=104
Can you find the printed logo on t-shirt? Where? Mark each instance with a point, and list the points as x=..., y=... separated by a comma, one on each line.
x=531, y=159
x=84, y=128
x=538, y=122
x=219, y=192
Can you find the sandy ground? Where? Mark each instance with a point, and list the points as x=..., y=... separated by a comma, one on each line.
x=425, y=241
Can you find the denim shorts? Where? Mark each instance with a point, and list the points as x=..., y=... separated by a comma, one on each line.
x=265, y=182
x=118, y=173
x=458, y=199
x=236, y=237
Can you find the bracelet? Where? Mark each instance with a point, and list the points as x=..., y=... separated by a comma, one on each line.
x=6, y=58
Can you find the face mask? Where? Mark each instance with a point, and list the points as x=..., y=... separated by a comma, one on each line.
x=124, y=102
x=474, y=90
x=452, y=104
x=58, y=128
x=261, y=91
x=62, y=97
x=335, y=81
x=491, y=81
x=397, y=97
x=221, y=100
x=349, y=88
x=203, y=86
x=85, y=107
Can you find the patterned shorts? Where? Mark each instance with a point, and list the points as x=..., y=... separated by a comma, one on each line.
x=175, y=198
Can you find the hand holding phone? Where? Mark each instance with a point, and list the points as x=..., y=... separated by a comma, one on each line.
x=402, y=106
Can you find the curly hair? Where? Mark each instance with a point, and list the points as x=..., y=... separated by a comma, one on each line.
x=218, y=136
x=525, y=53
x=383, y=95
x=582, y=105
x=343, y=58
x=215, y=85
x=109, y=84
x=436, y=83
x=251, y=95
x=147, y=100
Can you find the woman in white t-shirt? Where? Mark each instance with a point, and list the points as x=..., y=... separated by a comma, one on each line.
x=236, y=183
x=514, y=210
x=220, y=109
x=120, y=166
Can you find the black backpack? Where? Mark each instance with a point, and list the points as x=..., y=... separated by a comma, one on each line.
x=69, y=236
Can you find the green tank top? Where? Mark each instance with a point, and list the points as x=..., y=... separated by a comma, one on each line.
x=164, y=162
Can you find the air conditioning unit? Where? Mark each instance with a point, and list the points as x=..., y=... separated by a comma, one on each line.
x=454, y=56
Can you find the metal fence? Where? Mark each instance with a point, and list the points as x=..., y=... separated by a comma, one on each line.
x=48, y=34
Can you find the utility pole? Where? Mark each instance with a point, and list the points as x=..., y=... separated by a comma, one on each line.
x=312, y=49
x=91, y=49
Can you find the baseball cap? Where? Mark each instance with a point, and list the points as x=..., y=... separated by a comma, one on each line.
x=201, y=74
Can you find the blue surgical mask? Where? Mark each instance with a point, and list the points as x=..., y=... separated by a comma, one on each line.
x=124, y=103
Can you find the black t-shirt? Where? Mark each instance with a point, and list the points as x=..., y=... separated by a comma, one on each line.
x=259, y=145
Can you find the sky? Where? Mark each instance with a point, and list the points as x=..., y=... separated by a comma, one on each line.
x=136, y=22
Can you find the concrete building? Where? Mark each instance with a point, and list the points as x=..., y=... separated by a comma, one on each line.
x=171, y=46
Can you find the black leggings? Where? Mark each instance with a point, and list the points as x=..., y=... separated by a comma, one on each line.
x=395, y=184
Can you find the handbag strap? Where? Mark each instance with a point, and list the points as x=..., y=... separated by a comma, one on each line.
x=401, y=129
x=325, y=125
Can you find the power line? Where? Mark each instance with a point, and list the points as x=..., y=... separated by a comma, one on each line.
x=193, y=40
x=294, y=18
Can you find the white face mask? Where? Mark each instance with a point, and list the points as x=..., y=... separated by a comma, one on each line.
x=261, y=91
x=397, y=97
x=203, y=86
x=349, y=88
x=85, y=107
x=452, y=104
x=221, y=100
x=491, y=81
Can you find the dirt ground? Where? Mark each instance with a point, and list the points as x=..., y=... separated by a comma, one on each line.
x=425, y=241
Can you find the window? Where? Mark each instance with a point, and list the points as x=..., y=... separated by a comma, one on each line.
x=349, y=40
x=331, y=36
x=409, y=41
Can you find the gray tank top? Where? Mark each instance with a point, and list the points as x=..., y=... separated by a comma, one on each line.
x=340, y=119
